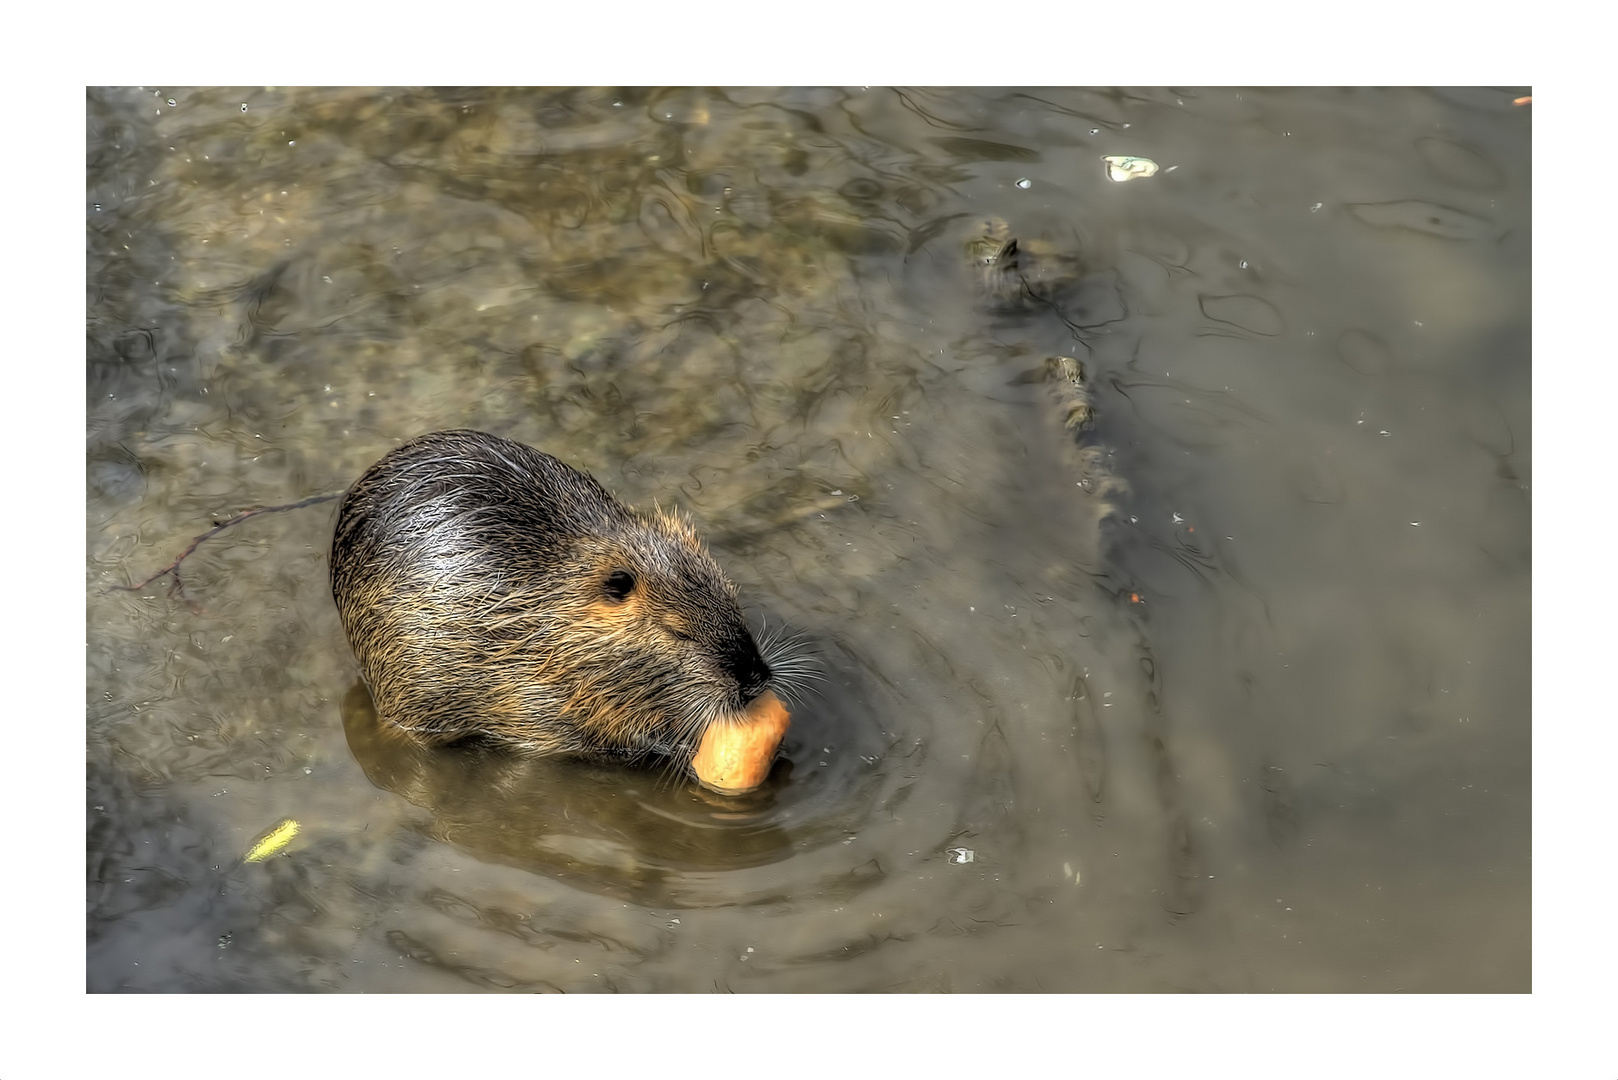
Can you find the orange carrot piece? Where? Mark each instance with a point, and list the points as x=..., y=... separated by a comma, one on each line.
x=734, y=758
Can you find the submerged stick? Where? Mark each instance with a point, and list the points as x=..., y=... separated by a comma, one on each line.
x=172, y=570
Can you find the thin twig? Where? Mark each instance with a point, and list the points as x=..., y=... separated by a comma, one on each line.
x=172, y=570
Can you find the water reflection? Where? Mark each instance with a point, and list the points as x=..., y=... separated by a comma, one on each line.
x=618, y=829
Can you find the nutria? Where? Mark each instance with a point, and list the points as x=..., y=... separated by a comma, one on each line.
x=490, y=591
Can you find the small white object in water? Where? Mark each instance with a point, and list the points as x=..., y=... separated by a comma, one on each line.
x=1121, y=167
x=960, y=854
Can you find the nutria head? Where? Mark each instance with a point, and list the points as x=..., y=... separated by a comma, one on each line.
x=489, y=590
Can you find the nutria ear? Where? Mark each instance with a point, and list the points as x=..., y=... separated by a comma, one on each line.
x=618, y=586
x=679, y=525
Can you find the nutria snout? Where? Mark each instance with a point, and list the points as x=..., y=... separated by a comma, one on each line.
x=489, y=590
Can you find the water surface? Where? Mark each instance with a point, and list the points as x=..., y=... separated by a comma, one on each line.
x=1233, y=697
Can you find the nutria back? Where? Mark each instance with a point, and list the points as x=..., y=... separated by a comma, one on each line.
x=491, y=591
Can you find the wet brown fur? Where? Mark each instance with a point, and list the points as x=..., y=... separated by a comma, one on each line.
x=481, y=585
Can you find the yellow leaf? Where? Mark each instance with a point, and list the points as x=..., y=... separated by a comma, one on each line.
x=278, y=838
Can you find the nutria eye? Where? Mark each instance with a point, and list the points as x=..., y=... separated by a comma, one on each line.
x=618, y=586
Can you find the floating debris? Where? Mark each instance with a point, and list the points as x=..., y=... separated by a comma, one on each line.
x=1066, y=378
x=960, y=854
x=1121, y=167
x=277, y=838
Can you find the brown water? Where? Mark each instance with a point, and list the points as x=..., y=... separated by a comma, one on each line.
x=1264, y=726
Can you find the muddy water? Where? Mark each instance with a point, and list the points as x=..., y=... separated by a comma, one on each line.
x=1229, y=693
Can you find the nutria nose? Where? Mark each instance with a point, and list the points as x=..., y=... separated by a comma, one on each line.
x=748, y=668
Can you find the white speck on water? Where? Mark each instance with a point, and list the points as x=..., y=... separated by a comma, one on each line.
x=1316, y=207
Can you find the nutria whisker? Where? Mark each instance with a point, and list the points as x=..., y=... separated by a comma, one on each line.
x=674, y=767
x=793, y=667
